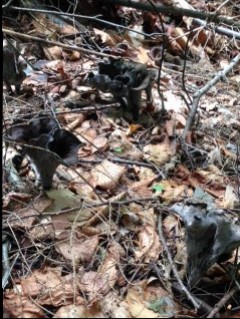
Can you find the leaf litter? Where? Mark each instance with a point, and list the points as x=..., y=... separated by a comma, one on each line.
x=90, y=248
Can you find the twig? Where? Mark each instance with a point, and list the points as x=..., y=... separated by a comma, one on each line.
x=6, y=264
x=91, y=205
x=197, y=95
x=221, y=5
x=73, y=15
x=65, y=46
x=199, y=17
x=138, y=163
x=164, y=45
x=175, y=11
x=174, y=269
x=202, y=304
x=219, y=30
x=222, y=302
x=87, y=109
x=4, y=6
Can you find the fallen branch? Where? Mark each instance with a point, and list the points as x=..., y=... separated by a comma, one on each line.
x=199, y=17
x=197, y=95
x=175, y=11
x=65, y=46
x=222, y=302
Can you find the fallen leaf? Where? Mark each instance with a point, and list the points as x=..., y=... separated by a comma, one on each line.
x=148, y=244
x=230, y=198
x=157, y=153
x=53, y=53
x=94, y=285
x=20, y=306
x=105, y=37
x=106, y=175
x=136, y=306
x=26, y=217
x=76, y=247
x=133, y=128
x=74, y=311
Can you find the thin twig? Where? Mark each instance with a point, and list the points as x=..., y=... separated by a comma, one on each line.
x=222, y=302
x=175, y=11
x=174, y=269
x=73, y=15
x=4, y=6
x=65, y=46
x=197, y=95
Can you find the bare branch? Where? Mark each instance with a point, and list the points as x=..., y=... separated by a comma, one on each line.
x=197, y=95
x=175, y=11
x=69, y=47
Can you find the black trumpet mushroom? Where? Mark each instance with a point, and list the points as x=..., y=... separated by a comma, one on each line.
x=46, y=145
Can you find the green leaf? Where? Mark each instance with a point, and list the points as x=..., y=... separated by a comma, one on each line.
x=118, y=150
x=158, y=188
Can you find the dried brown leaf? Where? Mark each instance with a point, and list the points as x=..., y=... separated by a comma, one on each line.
x=149, y=246
x=106, y=175
x=20, y=306
x=158, y=153
x=94, y=285
x=76, y=246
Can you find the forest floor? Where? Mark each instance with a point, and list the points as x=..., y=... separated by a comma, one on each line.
x=97, y=244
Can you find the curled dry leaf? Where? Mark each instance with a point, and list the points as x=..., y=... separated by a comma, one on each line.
x=158, y=153
x=99, y=143
x=149, y=246
x=53, y=53
x=136, y=305
x=71, y=55
x=71, y=118
x=105, y=37
x=106, y=175
x=87, y=134
x=171, y=225
x=94, y=285
x=173, y=191
x=47, y=285
x=108, y=269
x=26, y=217
x=73, y=311
x=230, y=198
x=20, y=306
x=121, y=145
x=76, y=247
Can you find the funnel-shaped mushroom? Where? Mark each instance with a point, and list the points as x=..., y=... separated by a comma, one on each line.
x=47, y=146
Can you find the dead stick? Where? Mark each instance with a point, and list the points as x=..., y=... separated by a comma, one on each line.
x=174, y=269
x=174, y=10
x=222, y=302
x=65, y=46
x=197, y=95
